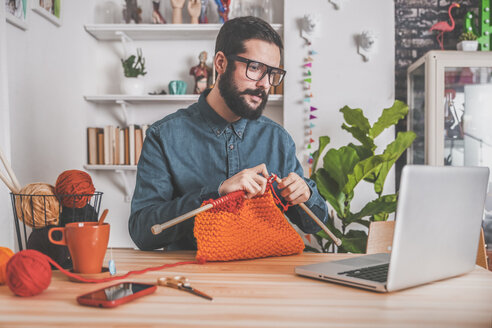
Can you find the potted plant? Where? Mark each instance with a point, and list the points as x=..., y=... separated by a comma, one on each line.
x=133, y=67
x=467, y=42
x=344, y=168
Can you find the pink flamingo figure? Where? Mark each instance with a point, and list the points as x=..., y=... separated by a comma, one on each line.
x=444, y=26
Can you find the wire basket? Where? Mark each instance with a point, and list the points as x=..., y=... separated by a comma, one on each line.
x=34, y=215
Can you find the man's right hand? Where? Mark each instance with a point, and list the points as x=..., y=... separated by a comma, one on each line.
x=248, y=180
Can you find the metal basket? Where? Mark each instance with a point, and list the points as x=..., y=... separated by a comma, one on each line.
x=88, y=213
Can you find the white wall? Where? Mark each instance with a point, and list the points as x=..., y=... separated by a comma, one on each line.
x=6, y=233
x=340, y=76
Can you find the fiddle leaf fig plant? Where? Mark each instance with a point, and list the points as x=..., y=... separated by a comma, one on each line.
x=344, y=168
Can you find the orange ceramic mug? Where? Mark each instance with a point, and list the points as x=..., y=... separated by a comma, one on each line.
x=87, y=243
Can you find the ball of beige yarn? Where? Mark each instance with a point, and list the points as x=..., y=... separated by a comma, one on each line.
x=37, y=205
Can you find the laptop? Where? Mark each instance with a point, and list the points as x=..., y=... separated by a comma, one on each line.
x=437, y=229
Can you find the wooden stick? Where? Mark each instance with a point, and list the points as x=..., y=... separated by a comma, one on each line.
x=8, y=184
x=10, y=171
x=313, y=216
x=158, y=228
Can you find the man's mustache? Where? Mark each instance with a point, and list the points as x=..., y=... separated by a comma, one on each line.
x=258, y=92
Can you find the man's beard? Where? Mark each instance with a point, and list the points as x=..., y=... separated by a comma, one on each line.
x=232, y=96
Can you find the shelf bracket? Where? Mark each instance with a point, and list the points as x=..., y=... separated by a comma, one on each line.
x=126, y=185
x=124, y=110
x=125, y=39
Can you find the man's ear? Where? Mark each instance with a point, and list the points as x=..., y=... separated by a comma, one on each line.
x=220, y=62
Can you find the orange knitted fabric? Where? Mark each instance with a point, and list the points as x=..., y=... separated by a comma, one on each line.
x=245, y=229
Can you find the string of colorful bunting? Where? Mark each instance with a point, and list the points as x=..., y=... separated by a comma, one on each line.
x=308, y=101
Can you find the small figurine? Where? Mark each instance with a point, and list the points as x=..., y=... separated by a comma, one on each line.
x=223, y=9
x=202, y=73
x=443, y=26
x=177, y=11
x=156, y=15
x=203, y=13
x=132, y=12
x=194, y=9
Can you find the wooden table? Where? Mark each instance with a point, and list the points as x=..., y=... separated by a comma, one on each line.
x=255, y=293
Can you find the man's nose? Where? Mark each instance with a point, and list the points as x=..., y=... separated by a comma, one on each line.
x=264, y=82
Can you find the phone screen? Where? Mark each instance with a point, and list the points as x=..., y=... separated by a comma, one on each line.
x=116, y=292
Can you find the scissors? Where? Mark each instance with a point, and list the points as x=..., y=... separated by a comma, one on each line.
x=182, y=283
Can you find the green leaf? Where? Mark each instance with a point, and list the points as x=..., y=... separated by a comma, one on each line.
x=361, y=171
x=385, y=204
x=361, y=136
x=354, y=241
x=380, y=217
x=311, y=249
x=339, y=163
x=389, y=117
x=355, y=117
x=365, y=223
x=329, y=190
x=323, y=142
x=393, y=151
x=362, y=151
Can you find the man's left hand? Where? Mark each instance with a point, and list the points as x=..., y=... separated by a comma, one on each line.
x=294, y=189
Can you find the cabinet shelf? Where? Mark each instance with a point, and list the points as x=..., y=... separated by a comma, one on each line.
x=108, y=32
x=104, y=99
x=111, y=167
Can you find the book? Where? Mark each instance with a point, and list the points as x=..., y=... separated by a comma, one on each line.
x=127, y=147
x=92, y=146
x=122, y=147
x=100, y=146
x=116, y=160
x=144, y=131
x=131, y=143
x=107, y=145
x=138, y=143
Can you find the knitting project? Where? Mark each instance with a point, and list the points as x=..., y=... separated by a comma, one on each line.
x=245, y=229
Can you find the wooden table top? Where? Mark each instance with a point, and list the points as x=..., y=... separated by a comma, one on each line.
x=254, y=293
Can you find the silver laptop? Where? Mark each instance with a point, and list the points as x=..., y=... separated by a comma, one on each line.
x=437, y=229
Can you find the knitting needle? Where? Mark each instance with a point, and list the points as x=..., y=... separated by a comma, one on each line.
x=158, y=228
x=15, y=182
x=313, y=216
x=8, y=184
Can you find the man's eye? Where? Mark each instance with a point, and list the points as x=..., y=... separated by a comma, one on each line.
x=255, y=66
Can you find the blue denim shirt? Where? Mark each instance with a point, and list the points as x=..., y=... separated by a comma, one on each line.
x=188, y=154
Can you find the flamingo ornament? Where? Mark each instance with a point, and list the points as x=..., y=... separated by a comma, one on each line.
x=444, y=26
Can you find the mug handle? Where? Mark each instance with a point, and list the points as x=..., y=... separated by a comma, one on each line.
x=62, y=241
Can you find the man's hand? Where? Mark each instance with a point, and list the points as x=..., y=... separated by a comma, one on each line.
x=294, y=189
x=248, y=180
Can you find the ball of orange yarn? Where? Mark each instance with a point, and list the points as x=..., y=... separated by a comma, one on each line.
x=5, y=255
x=71, y=183
x=28, y=273
x=37, y=205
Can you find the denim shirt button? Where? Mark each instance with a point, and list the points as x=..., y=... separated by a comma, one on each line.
x=239, y=133
x=217, y=132
x=231, y=147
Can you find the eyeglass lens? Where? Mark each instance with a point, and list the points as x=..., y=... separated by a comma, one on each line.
x=256, y=71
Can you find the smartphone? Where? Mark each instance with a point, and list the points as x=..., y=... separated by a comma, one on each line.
x=115, y=295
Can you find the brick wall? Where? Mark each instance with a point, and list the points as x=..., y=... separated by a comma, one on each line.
x=413, y=19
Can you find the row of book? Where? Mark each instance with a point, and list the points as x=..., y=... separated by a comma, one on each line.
x=113, y=145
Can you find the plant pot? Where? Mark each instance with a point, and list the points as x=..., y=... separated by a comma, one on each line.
x=132, y=86
x=468, y=45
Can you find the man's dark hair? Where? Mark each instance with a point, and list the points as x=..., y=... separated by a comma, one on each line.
x=234, y=32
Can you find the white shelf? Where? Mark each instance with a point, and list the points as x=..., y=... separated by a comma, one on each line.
x=110, y=167
x=108, y=32
x=104, y=99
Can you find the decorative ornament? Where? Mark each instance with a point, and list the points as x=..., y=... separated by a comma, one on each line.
x=484, y=32
x=443, y=26
x=310, y=27
x=366, y=44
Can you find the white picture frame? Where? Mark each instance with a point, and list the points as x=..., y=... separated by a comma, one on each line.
x=49, y=9
x=16, y=12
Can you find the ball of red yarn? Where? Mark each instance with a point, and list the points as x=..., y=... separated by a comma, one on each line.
x=74, y=182
x=28, y=273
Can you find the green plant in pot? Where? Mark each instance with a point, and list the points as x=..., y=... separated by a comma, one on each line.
x=346, y=167
x=133, y=67
x=467, y=41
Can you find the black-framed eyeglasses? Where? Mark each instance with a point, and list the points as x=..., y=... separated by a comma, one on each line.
x=256, y=71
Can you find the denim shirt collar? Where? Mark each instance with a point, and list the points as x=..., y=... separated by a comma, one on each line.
x=217, y=123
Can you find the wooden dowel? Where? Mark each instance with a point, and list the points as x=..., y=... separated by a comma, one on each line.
x=313, y=216
x=15, y=182
x=8, y=184
x=158, y=228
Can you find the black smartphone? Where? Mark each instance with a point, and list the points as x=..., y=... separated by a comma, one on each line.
x=115, y=295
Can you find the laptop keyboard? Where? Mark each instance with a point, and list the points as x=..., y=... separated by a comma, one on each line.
x=378, y=273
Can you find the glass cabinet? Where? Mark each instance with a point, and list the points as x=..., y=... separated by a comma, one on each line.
x=450, y=102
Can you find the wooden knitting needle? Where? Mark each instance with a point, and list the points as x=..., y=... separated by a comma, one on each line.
x=8, y=184
x=15, y=182
x=313, y=216
x=158, y=228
